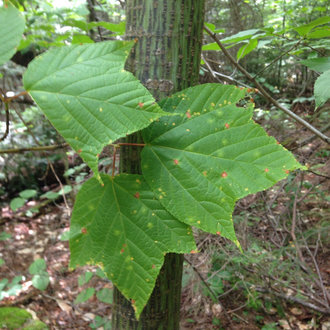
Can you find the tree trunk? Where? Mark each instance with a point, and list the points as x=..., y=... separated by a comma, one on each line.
x=166, y=59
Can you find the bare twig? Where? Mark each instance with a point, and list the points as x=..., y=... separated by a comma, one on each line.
x=324, y=291
x=211, y=292
x=277, y=58
x=40, y=148
x=5, y=134
x=264, y=92
x=293, y=226
x=295, y=300
x=225, y=77
x=45, y=155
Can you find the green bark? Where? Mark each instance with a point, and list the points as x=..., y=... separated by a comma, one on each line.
x=166, y=59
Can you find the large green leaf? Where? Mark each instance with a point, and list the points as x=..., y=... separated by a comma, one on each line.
x=321, y=89
x=306, y=28
x=199, y=163
x=89, y=97
x=12, y=25
x=122, y=228
x=320, y=64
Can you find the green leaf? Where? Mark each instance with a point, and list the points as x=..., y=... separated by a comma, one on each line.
x=321, y=89
x=84, y=278
x=306, y=28
x=16, y=203
x=200, y=162
x=1, y=262
x=50, y=195
x=84, y=295
x=105, y=295
x=320, y=64
x=213, y=29
x=12, y=25
x=65, y=190
x=322, y=32
x=89, y=97
x=119, y=28
x=28, y=193
x=81, y=39
x=38, y=266
x=3, y=283
x=65, y=235
x=211, y=46
x=243, y=35
x=247, y=48
x=41, y=280
x=122, y=228
x=80, y=24
x=4, y=236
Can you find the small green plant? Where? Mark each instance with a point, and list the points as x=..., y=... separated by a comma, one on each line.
x=103, y=295
x=40, y=279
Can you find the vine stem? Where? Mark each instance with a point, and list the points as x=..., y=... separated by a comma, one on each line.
x=263, y=91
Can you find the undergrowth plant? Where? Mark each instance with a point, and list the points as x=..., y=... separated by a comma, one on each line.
x=201, y=153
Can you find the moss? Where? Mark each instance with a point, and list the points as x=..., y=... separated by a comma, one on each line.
x=16, y=318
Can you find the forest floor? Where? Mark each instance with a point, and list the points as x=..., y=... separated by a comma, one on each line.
x=252, y=296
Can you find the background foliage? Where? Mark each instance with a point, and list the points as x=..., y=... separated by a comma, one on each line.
x=282, y=278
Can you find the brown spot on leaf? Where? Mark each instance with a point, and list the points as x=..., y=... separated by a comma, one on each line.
x=84, y=230
x=137, y=195
x=176, y=162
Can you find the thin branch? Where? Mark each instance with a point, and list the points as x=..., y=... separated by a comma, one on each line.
x=278, y=57
x=293, y=226
x=295, y=300
x=264, y=92
x=5, y=134
x=41, y=148
x=211, y=291
x=225, y=77
x=8, y=99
